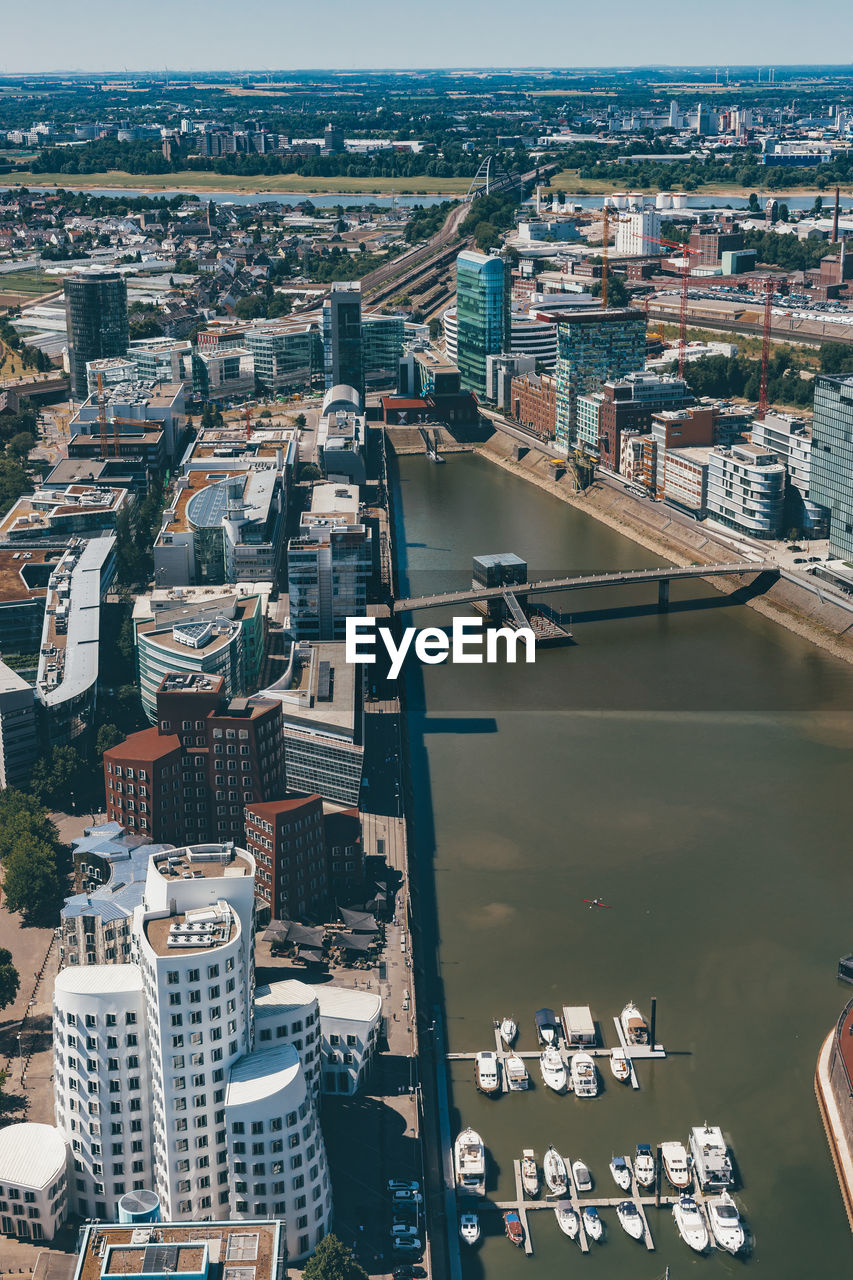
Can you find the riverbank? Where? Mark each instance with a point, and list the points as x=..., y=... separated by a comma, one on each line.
x=569, y=180
x=191, y=180
x=793, y=607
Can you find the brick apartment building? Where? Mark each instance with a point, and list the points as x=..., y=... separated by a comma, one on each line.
x=307, y=859
x=188, y=779
x=533, y=402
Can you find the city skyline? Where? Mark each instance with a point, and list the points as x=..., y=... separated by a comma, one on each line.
x=774, y=34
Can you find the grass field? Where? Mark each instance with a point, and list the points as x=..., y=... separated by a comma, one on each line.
x=190, y=181
x=11, y=365
x=31, y=283
x=569, y=180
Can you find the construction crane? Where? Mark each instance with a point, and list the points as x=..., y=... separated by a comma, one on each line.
x=769, y=290
x=115, y=420
x=685, y=285
x=605, y=232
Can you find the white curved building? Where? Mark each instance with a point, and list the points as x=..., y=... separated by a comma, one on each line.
x=102, y=1097
x=33, y=1185
x=276, y=1154
x=287, y=1012
x=527, y=337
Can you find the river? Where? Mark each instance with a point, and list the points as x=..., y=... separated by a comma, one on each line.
x=691, y=768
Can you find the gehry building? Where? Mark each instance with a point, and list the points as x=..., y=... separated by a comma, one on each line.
x=159, y=1081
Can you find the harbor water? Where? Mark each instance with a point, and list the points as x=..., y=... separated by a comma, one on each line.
x=692, y=769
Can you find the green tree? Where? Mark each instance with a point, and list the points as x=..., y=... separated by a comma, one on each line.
x=617, y=294
x=21, y=812
x=332, y=1260
x=486, y=236
x=753, y=202
x=31, y=880
x=435, y=328
x=310, y=471
x=109, y=735
x=21, y=444
x=300, y=420
x=56, y=778
x=9, y=979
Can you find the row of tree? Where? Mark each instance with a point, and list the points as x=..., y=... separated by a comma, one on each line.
x=35, y=863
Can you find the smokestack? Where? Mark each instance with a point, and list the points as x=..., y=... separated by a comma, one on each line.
x=653, y=1021
x=835, y=219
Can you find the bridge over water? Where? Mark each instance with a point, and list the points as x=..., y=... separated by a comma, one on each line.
x=585, y=582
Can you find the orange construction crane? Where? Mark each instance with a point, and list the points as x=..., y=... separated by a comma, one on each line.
x=685, y=284
x=102, y=417
x=605, y=232
x=769, y=289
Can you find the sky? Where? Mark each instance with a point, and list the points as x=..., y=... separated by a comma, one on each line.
x=108, y=35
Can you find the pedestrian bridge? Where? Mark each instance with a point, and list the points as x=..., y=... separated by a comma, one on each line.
x=586, y=582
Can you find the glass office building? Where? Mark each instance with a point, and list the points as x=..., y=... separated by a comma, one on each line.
x=96, y=322
x=832, y=460
x=482, y=309
x=383, y=338
x=592, y=347
x=288, y=358
x=343, y=355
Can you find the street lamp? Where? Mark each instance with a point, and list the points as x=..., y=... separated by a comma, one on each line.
x=20, y=1055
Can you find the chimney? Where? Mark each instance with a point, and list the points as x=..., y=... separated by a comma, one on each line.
x=835, y=221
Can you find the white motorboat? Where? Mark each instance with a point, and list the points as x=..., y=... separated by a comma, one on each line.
x=634, y=1025
x=567, y=1219
x=553, y=1070
x=619, y=1065
x=547, y=1026
x=725, y=1221
x=509, y=1030
x=630, y=1219
x=529, y=1172
x=711, y=1158
x=469, y=1228
x=644, y=1165
x=592, y=1224
x=621, y=1173
x=582, y=1176
x=469, y=1156
x=487, y=1074
x=584, y=1076
x=554, y=1167
x=516, y=1073
x=675, y=1164
x=691, y=1223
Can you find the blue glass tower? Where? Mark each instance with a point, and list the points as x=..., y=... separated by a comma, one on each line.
x=482, y=311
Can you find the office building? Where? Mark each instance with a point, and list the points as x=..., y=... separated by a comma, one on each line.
x=746, y=490
x=592, y=347
x=18, y=737
x=329, y=565
x=627, y=404
x=142, y=420
x=533, y=403
x=322, y=711
x=790, y=438
x=383, y=340
x=832, y=460
x=637, y=234
x=341, y=441
x=482, y=315
x=288, y=355
x=96, y=322
x=33, y=1181
x=309, y=856
x=159, y=1083
x=215, y=1250
x=343, y=354
x=500, y=372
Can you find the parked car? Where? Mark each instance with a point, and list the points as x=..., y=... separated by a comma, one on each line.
x=396, y=1184
x=406, y=1244
x=410, y=1197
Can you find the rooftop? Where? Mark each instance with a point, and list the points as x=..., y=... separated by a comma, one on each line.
x=302, y=702
x=348, y=1003
x=189, y=932
x=204, y=860
x=98, y=979
x=334, y=499
x=251, y=1244
x=262, y=1075
x=147, y=744
x=283, y=997
x=31, y=1155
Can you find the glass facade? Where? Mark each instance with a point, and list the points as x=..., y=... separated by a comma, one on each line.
x=343, y=355
x=96, y=322
x=286, y=360
x=832, y=460
x=482, y=311
x=592, y=348
x=382, y=339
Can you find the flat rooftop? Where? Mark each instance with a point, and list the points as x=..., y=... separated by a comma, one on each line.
x=234, y=1245
x=203, y=860
x=191, y=932
x=20, y=582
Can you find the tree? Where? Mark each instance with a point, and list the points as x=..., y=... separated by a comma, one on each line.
x=332, y=1260
x=753, y=202
x=617, y=294
x=300, y=420
x=310, y=471
x=486, y=236
x=109, y=735
x=9, y=979
x=31, y=881
x=435, y=328
x=21, y=444
x=56, y=777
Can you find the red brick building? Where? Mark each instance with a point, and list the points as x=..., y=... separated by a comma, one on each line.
x=533, y=401
x=222, y=755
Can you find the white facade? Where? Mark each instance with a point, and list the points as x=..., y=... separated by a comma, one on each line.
x=637, y=233
x=790, y=439
x=685, y=478
x=746, y=490
x=349, y=1026
x=276, y=1155
x=287, y=1013
x=33, y=1187
x=536, y=338
x=102, y=1096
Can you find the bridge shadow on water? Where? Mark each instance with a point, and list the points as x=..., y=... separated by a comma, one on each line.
x=717, y=600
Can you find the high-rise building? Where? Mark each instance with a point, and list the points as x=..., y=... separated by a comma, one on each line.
x=832, y=460
x=329, y=565
x=637, y=233
x=593, y=346
x=159, y=1081
x=18, y=738
x=96, y=322
x=343, y=354
x=482, y=315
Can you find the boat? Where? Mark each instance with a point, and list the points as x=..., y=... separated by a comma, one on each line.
x=469, y=1157
x=584, y=1076
x=631, y=1219
x=567, y=1219
x=592, y=1224
x=634, y=1025
x=711, y=1158
x=516, y=1073
x=553, y=1070
x=582, y=1176
x=621, y=1173
x=690, y=1223
x=554, y=1167
x=547, y=1026
x=509, y=1030
x=529, y=1173
x=487, y=1074
x=619, y=1065
x=725, y=1221
x=514, y=1229
x=675, y=1165
x=469, y=1228
x=645, y=1168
